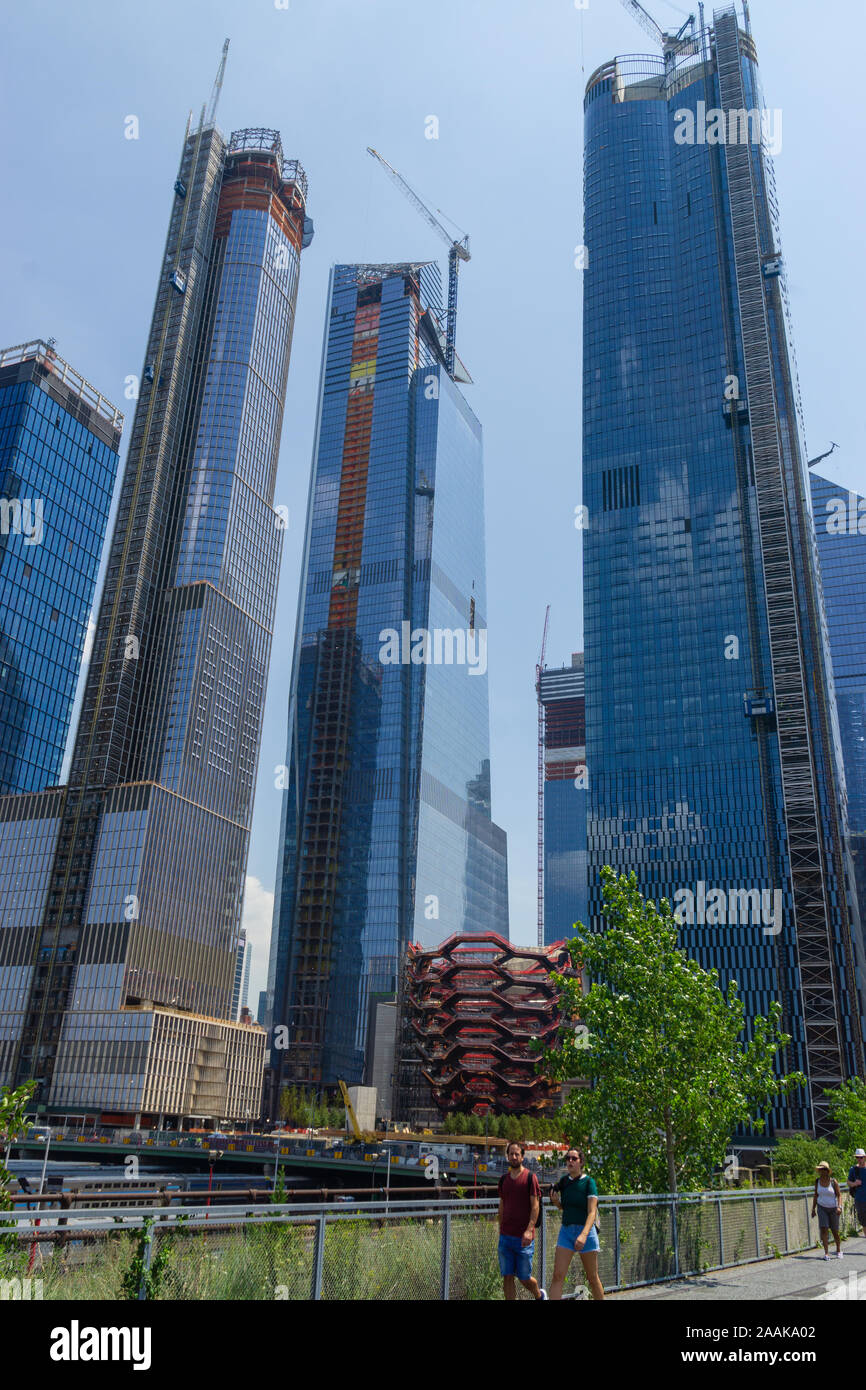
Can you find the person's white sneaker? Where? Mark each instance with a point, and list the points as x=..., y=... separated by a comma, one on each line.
x=826, y=1257
x=840, y=1254
x=542, y=1293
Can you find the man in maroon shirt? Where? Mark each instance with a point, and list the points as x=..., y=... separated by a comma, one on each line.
x=519, y=1205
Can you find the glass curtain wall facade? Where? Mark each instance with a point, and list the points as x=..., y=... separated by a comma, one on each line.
x=387, y=833
x=240, y=966
x=565, y=800
x=709, y=710
x=840, y=530
x=137, y=912
x=59, y=442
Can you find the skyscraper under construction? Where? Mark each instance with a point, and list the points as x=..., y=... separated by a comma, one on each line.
x=387, y=833
x=119, y=920
x=710, y=723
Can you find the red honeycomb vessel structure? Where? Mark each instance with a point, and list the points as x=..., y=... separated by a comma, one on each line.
x=474, y=1003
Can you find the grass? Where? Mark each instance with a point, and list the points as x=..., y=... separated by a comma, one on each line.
x=372, y=1260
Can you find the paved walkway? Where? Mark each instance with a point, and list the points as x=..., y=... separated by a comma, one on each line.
x=803, y=1276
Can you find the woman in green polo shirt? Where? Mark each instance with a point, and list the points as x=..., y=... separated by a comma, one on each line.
x=576, y=1196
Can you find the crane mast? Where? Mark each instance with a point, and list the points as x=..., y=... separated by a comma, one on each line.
x=458, y=250
x=538, y=670
x=217, y=87
x=670, y=44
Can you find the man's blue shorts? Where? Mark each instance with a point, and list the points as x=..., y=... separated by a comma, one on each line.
x=515, y=1257
x=569, y=1234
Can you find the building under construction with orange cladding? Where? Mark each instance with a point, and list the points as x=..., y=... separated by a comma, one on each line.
x=387, y=835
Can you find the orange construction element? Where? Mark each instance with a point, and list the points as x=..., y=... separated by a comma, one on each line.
x=349, y=537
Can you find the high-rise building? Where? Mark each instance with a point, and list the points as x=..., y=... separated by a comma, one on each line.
x=387, y=833
x=709, y=719
x=381, y=1060
x=59, y=442
x=242, y=966
x=120, y=917
x=561, y=693
x=840, y=530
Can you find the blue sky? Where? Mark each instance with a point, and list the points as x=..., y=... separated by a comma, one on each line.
x=86, y=212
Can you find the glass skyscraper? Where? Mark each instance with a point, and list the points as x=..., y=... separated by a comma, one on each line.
x=710, y=742
x=840, y=529
x=387, y=834
x=565, y=800
x=120, y=903
x=59, y=442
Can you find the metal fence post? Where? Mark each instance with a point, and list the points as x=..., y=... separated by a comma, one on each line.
x=617, y=1250
x=785, y=1222
x=721, y=1232
x=757, y=1231
x=318, y=1257
x=445, y=1271
x=146, y=1259
x=674, y=1226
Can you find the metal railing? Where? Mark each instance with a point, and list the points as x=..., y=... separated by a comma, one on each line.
x=412, y=1249
x=43, y=352
x=267, y=1149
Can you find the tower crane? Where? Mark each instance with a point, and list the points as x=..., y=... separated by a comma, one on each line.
x=538, y=670
x=832, y=449
x=458, y=250
x=670, y=44
x=217, y=87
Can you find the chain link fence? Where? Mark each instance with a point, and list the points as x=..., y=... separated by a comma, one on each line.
x=388, y=1251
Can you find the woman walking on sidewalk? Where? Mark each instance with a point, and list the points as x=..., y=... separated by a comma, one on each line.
x=827, y=1200
x=576, y=1196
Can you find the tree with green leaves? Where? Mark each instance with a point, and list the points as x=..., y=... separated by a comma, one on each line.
x=13, y=1123
x=139, y=1272
x=847, y=1111
x=285, y=1105
x=662, y=1048
x=513, y=1128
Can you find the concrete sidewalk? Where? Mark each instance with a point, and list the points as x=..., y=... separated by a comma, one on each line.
x=803, y=1276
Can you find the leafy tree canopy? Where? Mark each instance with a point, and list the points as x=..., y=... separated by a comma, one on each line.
x=662, y=1047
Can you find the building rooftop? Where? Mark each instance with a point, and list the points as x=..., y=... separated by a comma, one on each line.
x=60, y=370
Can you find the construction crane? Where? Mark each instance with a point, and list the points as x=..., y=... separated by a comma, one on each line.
x=812, y=462
x=670, y=44
x=457, y=251
x=361, y=1136
x=217, y=87
x=538, y=670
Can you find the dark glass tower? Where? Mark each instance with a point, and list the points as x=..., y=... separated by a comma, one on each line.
x=840, y=529
x=387, y=835
x=709, y=709
x=119, y=926
x=59, y=442
x=565, y=800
